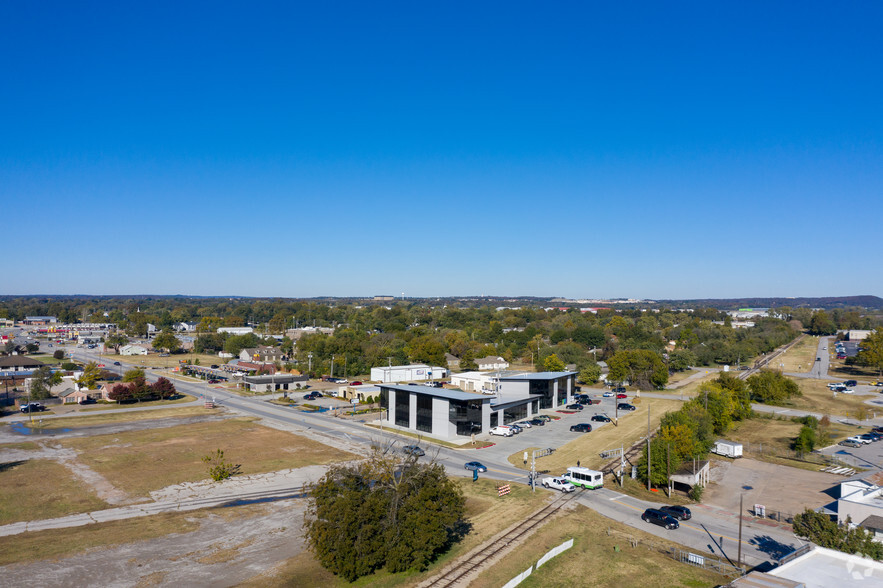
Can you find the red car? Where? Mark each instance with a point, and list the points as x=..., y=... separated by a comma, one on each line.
x=355, y=383
x=622, y=395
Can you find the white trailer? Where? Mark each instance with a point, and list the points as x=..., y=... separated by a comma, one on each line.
x=727, y=448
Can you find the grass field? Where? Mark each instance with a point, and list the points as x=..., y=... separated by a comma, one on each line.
x=801, y=357
x=488, y=513
x=776, y=435
x=103, y=418
x=586, y=447
x=593, y=559
x=140, y=461
x=818, y=398
x=26, y=495
x=185, y=398
x=154, y=360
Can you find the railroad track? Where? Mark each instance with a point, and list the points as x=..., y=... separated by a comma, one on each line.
x=473, y=562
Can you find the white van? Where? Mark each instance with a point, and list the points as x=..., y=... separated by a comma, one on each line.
x=502, y=430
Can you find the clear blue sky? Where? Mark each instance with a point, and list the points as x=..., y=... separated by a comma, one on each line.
x=655, y=150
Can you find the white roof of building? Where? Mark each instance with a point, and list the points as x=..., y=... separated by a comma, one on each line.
x=823, y=568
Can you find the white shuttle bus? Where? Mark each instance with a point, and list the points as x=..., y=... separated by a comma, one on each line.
x=585, y=478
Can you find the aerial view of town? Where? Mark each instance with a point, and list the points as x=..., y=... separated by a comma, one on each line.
x=426, y=295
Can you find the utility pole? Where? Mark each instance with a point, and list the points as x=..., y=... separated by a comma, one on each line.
x=648, y=448
x=332, y=366
x=739, y=557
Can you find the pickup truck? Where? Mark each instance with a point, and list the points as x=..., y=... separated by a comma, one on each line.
x=32, y=407
x=558, y=484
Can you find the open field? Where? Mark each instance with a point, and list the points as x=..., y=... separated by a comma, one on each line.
x=776, y=435
x=593, y=559
x=24, y=492
x=586, y=447
x=488, y=513
x=818, y=398
x=865, y=375
x=801, y=357
x=137, y=462
x=154, y=360
x=124, y=417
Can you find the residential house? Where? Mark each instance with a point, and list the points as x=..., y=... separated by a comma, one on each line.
x=186, y=327
x=492, y=363
x=133, y=350
x=19, y=363
x=262, y=354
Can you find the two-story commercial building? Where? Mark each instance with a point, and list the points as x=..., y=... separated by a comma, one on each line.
x=448, y=414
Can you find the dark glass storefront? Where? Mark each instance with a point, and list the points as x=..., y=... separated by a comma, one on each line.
x=514, y=413
x=465, y=415
x=424, y=413
x=545, y=389
x=403, y=409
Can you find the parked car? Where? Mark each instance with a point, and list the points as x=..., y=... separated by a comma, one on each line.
x=619, y=390
x=681, y=513
x=558, y=484
x=312, y=395
x=214, y=381
x=515, y=428
x=356, y=383
x=584, y=401
x=574, y=407
x=87, y=401
x=626, y=406
x=32, y=407
x=581, y=428
x=608, y=394
x=475, y=466
x=620, y=396
x=524, y=424
x=116, y=363
x=851, y=443
x=413, y=450
x=870, y=437
x=544, y=417
x=501, y=431
x=537, y=422
x=657, y=517
x=600, y=418
x=858, y=439
x=850, y=383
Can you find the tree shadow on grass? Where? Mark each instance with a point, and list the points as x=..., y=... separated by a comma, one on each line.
x=10, y=464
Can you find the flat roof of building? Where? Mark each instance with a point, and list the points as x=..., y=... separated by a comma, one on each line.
x=450, y=394
x=539, y=376
x=822, y=568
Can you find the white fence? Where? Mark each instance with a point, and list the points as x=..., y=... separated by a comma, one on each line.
x=549, y=555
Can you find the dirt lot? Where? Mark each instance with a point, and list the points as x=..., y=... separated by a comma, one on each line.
x=217, y=547
x=775, y=486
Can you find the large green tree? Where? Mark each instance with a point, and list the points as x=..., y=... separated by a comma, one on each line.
x=771, y=387
x=91, y=375
x=823, y=531
x=41, y=382
x=871, y=351
x=387, y=511
x=116, y=340
x=167, y=341
x=640, y=367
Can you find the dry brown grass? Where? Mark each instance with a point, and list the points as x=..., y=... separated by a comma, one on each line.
x=125, y=417
x=140, y=461
x=154, y=360
x=586, y=447
x=816, y=397
x=225, y=554
x=489, y=514
x=28, y=445
x=801, y=357
x=151, y=403
x=26, y=495
x=776, y=435
x=593, y=559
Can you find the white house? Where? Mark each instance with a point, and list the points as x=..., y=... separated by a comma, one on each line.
x=133, y=350
x=186, y=327
x=492, y=363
